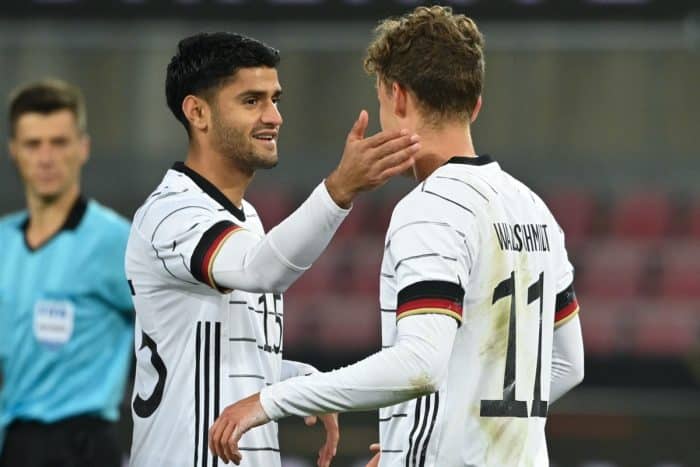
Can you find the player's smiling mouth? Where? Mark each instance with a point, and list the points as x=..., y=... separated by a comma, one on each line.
x=266, y=136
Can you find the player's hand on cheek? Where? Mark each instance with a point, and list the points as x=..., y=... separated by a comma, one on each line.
x=330, y=447
x=233, y=422
x=369, y=162
x=376, y=449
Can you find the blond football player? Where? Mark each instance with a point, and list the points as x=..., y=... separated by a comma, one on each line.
x=480, y=332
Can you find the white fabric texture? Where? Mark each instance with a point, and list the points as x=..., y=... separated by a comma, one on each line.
x=567, y=358
x=415, y=366
x=292, y=369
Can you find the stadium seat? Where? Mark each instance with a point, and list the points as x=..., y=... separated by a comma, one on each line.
x=613, y=269
x=366, y=260
x=272, y=206
x=301, y=324
x=666, y=334
x=321, y=276
x=641, y=215
x=574, y=210
x=694, y=218
x=680, y=270
x=349, y=324
x=600, y=325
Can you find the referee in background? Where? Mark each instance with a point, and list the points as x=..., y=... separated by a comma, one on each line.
x=65, y=307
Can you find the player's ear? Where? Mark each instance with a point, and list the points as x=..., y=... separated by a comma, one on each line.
x=477, y=109
x=400, y=99
x=196, y=112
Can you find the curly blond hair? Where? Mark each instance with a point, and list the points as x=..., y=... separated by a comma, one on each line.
x=437, y=55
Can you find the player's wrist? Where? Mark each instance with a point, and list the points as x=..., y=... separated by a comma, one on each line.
x=269, y=407
x=339, y=192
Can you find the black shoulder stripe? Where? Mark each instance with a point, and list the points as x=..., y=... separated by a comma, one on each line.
x=565, y=297
x=199, y=256
x=431, y=289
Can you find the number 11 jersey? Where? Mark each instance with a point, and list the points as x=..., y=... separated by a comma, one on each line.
x=474, y=243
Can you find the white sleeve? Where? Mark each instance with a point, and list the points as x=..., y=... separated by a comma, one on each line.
x=567, y=358
x=292, y=369
x=414, y=366
x=245, y=261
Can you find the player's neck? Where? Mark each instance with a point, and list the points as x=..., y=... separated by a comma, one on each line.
x=439, y=145
x=221, y=172
x=47, y=216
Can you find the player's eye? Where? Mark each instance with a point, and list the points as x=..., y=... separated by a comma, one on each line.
x=250, y=101
x=59, y=142
x=32, y=144
x=276, y=100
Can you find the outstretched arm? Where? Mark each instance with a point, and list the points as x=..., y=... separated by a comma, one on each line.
x=415, y=366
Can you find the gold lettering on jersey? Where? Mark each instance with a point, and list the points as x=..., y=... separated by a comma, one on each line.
x=522, y=237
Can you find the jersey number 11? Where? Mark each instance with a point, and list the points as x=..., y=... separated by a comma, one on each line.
x=509, y=406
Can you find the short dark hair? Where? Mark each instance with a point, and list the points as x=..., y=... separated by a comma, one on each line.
x=45, y=97
x=205, y=61
x=436, y=54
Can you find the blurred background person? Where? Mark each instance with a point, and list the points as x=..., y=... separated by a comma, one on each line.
x=65, y=305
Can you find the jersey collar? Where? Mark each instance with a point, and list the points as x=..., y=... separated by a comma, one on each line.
x=478, y=160
x=75, y=216
x=210, y=189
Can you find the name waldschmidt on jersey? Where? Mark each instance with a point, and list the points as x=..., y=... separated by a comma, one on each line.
x=519, y=237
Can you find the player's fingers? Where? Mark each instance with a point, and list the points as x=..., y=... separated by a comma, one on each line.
x=374, y=462
x=310, y=420
x=325, y=455
x=396, y=170
x=330, y=422
x=235, y=437
x=232, y=443
x=395, y=146
x=398, y=162
x=357, y=132
x=395, y=151
x=215, y=435
x=374, y=448
x=383, y=136
x=224, y=445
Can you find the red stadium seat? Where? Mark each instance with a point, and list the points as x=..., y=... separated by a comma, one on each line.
x=349, y=324
x=574, y=211
x=366, y=257
x=666, y=334
x=641, y=215
x=600, y=325
x=694, y=219
x=613, y=269
x=321, y=277
x=680, y=270
x=301, y=326
x=272, y=206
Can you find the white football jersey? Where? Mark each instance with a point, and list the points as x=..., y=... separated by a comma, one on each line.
x=198, y=349
x=474, y=243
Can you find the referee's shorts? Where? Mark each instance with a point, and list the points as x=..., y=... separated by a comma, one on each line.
x=82, y=441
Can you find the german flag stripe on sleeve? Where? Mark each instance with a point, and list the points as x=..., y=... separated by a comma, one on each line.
x=566, y=305
x=428, y=297
x=207, y=249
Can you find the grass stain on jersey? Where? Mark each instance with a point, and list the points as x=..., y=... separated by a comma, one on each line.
x=506, y=439
x=496, y=344
x=422, y=384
